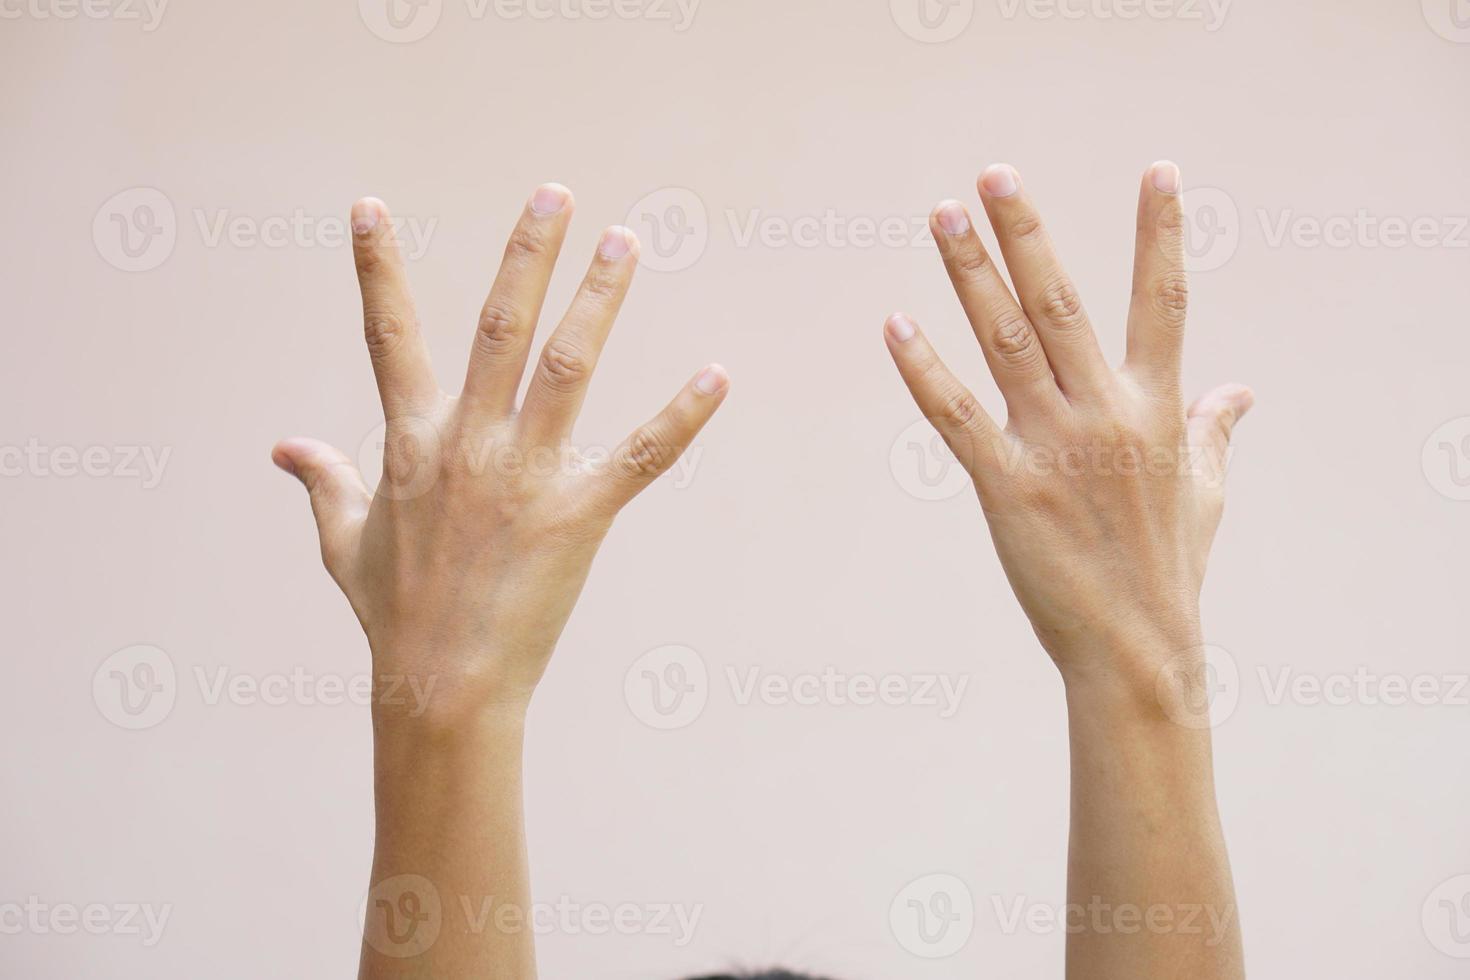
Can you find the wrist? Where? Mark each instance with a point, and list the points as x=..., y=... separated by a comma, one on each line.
x=424, y=684
x=443, y=754
x=1147, y=672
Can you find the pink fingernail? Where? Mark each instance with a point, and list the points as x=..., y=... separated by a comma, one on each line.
x=1000, y=180
x=365, y=215
x=953, y=219
x=615, y=243
x=1166, y=176
x=711, y=380
x=900, y=327
x=549, y=199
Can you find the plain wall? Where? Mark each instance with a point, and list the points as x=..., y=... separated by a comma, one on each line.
x=802, y=541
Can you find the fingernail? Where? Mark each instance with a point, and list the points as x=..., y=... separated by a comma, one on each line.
x=953, y=219
x=549, y=199
x=900, y=327
x=365, y=214
x=1165, y=176
x=1000, y=180
x=711, y=380
x=614, y=244
x=284, y=461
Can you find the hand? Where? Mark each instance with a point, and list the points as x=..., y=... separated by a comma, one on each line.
x=465, y=564
x=1102, y=492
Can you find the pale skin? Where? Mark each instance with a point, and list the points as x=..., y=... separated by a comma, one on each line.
x=1103, y=492
x=463, y=566
x=464, y=563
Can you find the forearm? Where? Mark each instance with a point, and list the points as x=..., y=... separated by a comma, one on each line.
x=463, y=567
x=1149, y=890
x=449, y=812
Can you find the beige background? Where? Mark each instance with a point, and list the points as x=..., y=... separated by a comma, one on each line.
x=802, y=541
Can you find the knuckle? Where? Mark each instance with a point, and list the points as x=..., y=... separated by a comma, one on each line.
x=601, y=286
x=563, y=365
x=971, y=261
x=645, y=455
x=525, y=243
x=1170, y=297
x=384, y=331
x=959, y=408
x=1061, y=305
x=1027, y=228
x=1170, y=220
x=498, y=331
x=1013, y=338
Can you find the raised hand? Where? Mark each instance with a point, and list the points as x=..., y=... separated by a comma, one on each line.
x=1103, y=493
x=463, y=567
x=467, y=560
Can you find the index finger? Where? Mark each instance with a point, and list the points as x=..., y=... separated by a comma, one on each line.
x=391, y=327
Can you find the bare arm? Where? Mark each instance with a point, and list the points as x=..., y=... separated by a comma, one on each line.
x=1103, y=493
x=463, y=567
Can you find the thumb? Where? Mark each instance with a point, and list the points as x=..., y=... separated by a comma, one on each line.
x=1211, y=421
x=339, y=498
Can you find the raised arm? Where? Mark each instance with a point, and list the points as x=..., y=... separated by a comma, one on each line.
x=1103, y=493
x=463, y=567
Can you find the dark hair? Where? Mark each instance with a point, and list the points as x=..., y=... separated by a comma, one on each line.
x=766, y=975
